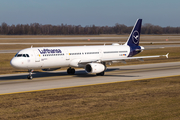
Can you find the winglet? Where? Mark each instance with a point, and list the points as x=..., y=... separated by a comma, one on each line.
x=167, y=55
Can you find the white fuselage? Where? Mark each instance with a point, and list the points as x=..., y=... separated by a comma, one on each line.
x=56, y=57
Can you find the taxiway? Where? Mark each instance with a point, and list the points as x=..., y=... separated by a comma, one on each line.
x=16, y=83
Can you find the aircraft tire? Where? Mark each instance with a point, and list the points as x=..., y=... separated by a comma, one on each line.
x=71, y=71
x=100, y=74
x=29, y=77
x=68, y=71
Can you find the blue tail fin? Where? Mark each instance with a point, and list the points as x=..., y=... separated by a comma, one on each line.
x=134, y=37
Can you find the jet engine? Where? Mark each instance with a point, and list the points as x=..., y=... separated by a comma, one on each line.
x=94, y=68
x=50, y=69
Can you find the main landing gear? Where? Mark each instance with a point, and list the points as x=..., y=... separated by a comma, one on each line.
x=30, y=74
x=100, y=74
x=71, y=71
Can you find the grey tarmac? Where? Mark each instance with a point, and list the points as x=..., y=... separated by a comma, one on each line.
x=59, y=79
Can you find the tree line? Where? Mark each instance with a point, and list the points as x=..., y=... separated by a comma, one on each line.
x=39, y=29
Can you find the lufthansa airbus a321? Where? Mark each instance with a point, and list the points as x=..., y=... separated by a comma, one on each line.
x=92, y=58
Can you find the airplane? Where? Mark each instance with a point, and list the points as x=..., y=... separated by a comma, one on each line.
x=92, y=58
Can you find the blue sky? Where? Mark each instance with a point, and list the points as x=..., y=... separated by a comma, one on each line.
x=88, y=12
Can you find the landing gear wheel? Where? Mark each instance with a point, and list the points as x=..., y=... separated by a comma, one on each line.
x=71, y=71
x=100, y=74
x=68, y=71
x=30, y=75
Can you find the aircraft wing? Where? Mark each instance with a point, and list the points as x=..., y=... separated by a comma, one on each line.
x=120, y=59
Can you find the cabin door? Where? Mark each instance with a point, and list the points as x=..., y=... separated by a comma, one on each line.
x=100, y=53
x=67, y=55
x=37, y=56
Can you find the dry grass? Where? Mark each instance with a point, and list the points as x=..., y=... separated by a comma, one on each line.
x=56, y=36
x=145, y=99
x=59, y=40
x=51, y=39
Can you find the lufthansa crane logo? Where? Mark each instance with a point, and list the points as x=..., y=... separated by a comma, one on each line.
x=135, y=37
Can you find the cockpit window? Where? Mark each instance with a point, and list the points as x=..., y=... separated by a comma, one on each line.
x=21, y=55
x=16, y=54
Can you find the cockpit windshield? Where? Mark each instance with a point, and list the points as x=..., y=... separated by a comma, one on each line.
x=21, y=55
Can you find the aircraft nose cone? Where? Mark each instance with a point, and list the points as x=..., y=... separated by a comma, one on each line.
x=14, y=63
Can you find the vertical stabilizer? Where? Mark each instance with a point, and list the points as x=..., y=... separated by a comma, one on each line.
x=134, y=37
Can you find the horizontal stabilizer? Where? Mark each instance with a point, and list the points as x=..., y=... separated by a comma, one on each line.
x=153, y=48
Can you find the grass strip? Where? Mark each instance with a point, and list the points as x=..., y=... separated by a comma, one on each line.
x=145, y=99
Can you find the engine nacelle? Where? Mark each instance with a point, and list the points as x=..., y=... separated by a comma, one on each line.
x=94, y=68
x=50, y=69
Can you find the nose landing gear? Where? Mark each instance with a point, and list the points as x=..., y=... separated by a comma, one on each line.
x=30, y=74
x=71, y=71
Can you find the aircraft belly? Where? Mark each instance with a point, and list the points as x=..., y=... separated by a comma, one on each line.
x=53, y=63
